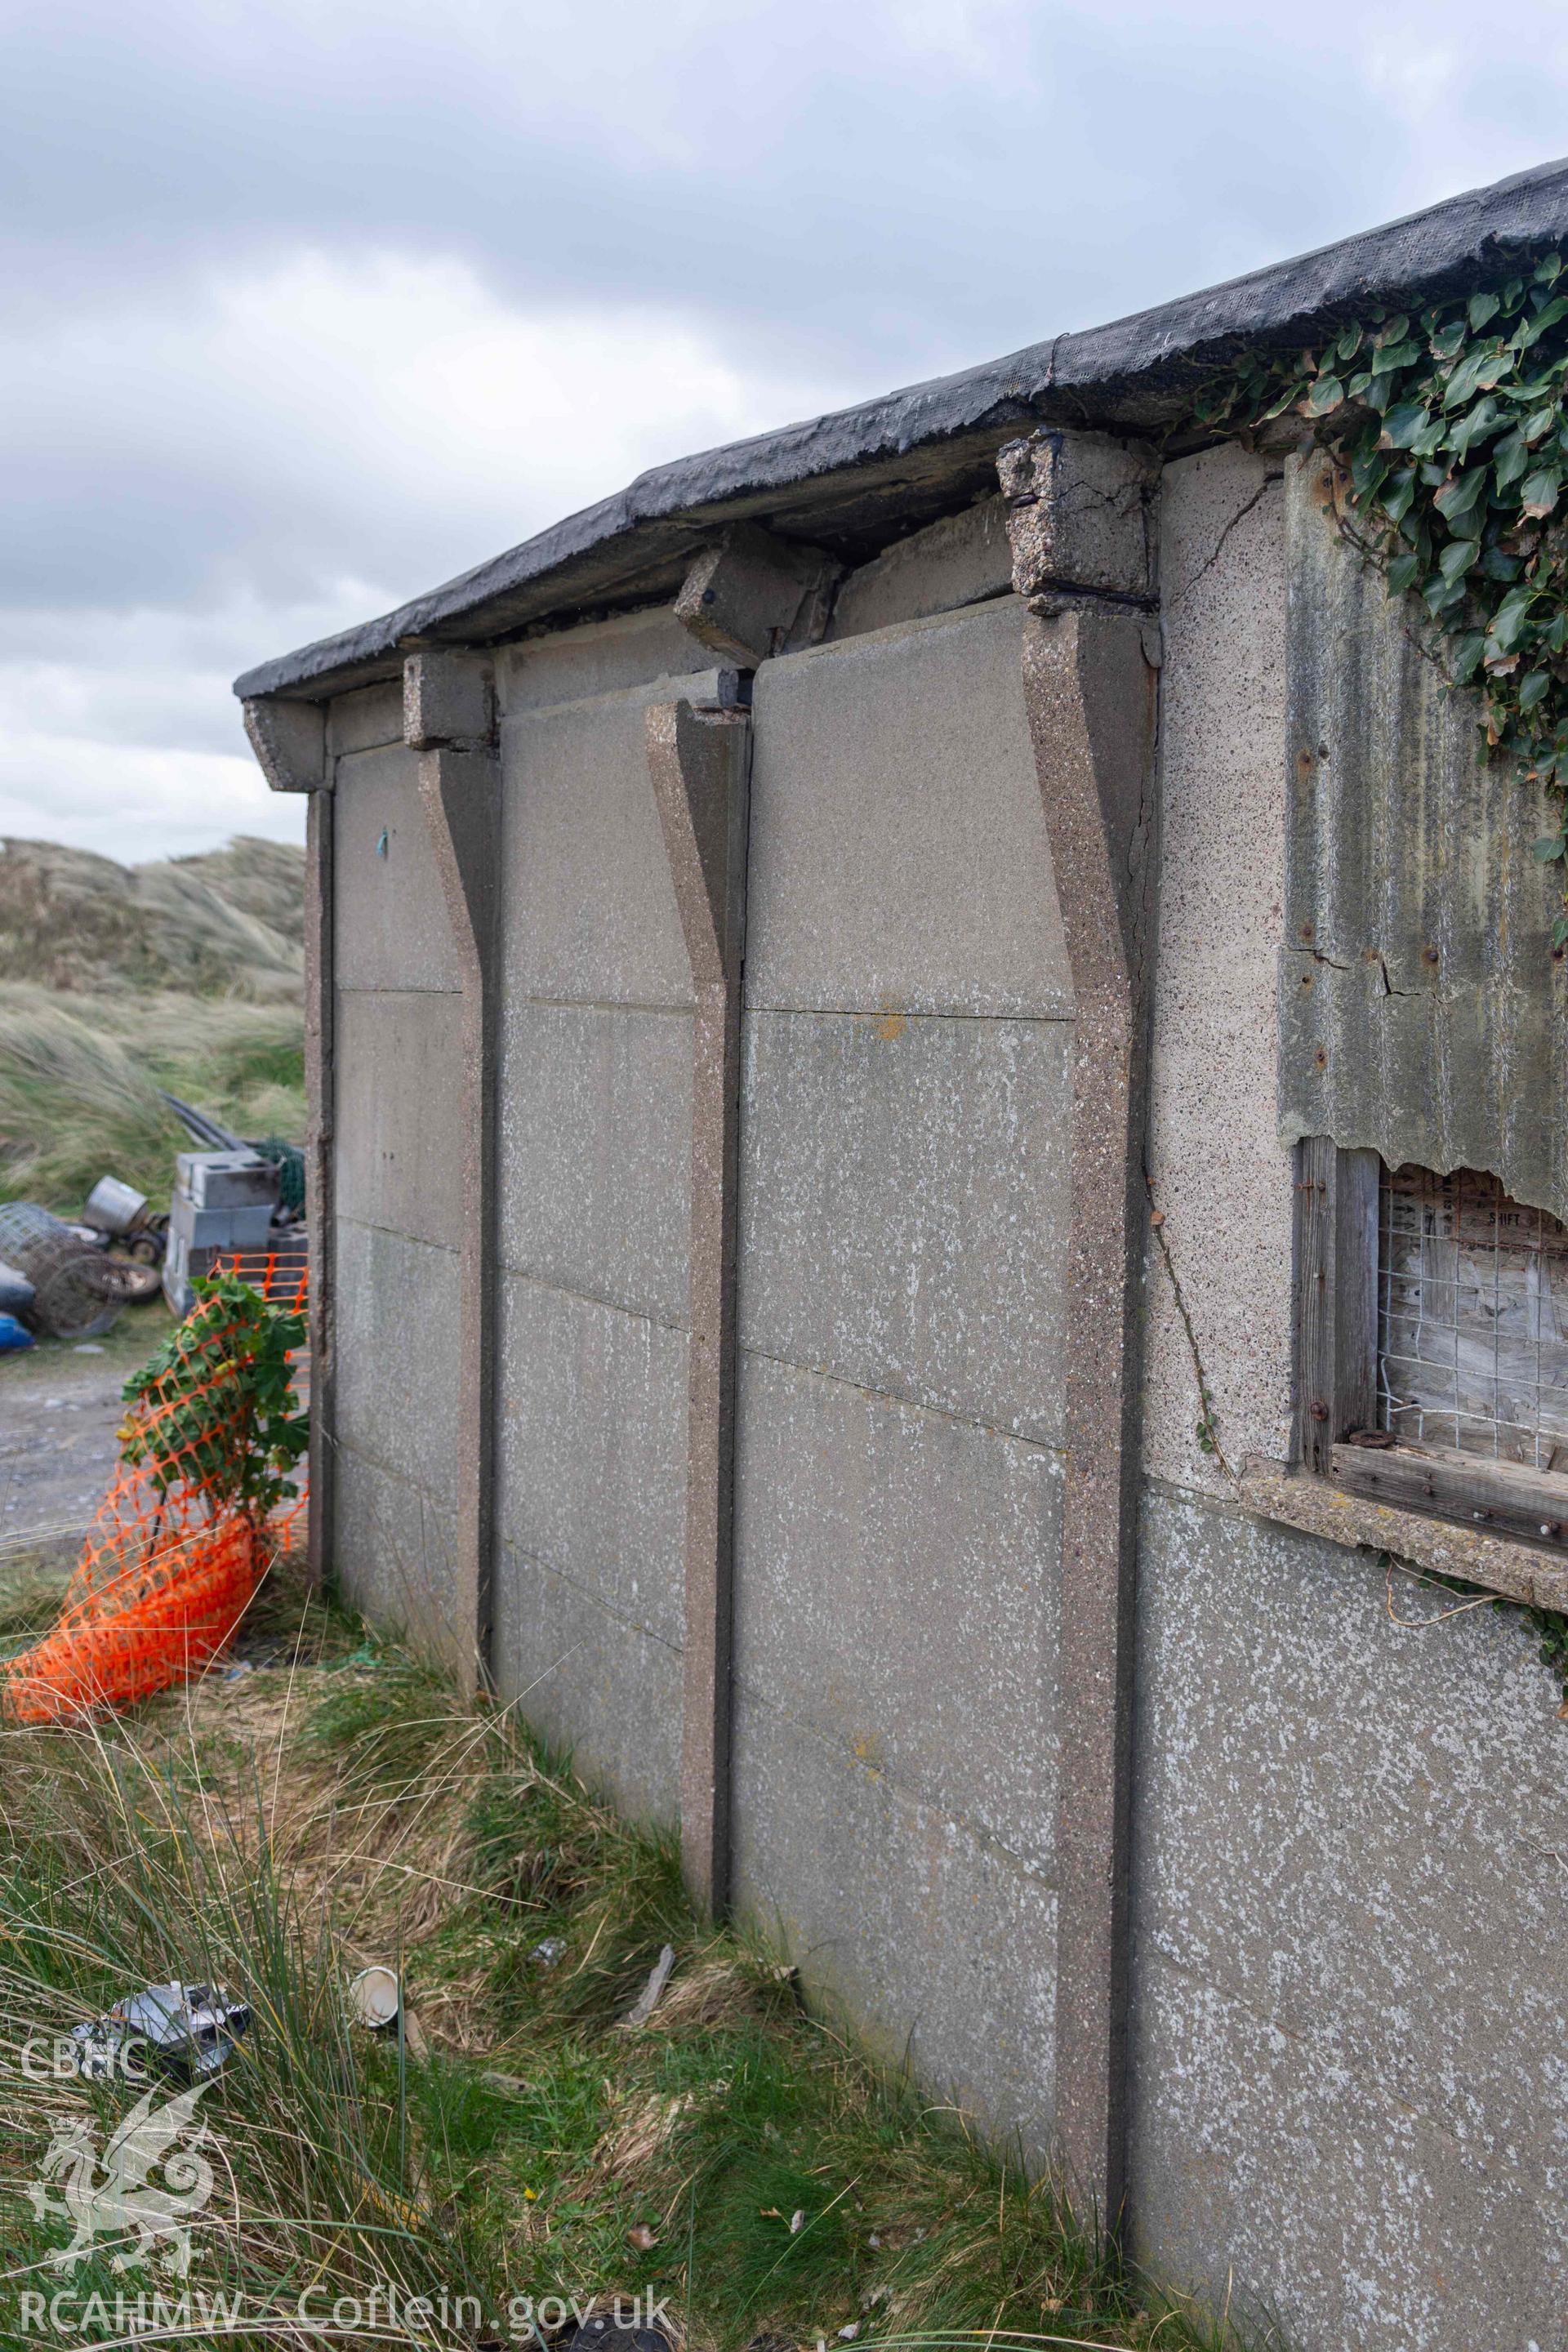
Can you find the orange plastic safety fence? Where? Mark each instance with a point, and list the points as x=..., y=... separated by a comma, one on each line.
x=174, y=1555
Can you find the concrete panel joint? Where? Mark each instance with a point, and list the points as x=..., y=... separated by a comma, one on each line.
x=1078, y=510
x=288, y=737
x=449, y=713
x=699, y=766
x=289, y=741
x=751, y=595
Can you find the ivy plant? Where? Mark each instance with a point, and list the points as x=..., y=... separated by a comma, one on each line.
x=214, y=1411
x=1452, y=427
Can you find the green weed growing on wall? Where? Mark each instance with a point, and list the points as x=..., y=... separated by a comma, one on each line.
x=1453, y=425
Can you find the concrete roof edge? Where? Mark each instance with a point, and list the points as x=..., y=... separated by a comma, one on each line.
x=1111, y=375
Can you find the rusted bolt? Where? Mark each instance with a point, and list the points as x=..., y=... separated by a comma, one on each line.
x=1430, y=955
x=1319, y=1411
x=709, y=595
x=1307, y=931
x=1321, y=1059
x=1304, y=761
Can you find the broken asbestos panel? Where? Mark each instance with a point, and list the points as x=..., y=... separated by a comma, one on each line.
x=1421, y=1010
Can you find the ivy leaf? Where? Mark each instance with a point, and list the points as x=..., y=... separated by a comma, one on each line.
x=1448, y=341
x=1477, y=422
x=1393, y=331
x=1511, y=457
x=1402, y=572
x=1560, y=931
x=1482, y=308
x=1458, y=557
x=1556, y=309
x=1398, y=492
x=1212, y=407
x=1539, y=493
x=1369, y=471
x=1479, y=371
x=1402, y=424
x=1442, y=594
x=1457, y=499
x=1289, y=398
x=1496, y=565
x=1534, y=688
x=1549, y=848
x=1548, y=269
x=1380, y=390
x=1327, y=395
x=1349, y=344
x=1509, y=619
x=1465, y=658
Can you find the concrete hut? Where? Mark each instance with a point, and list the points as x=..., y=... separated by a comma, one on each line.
x=841, y=977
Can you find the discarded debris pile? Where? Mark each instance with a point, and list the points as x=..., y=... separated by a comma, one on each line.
x=230, y=1195
x=201, y=1503
x=75, y=1289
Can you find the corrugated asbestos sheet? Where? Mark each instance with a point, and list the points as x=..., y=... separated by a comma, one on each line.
x=1422, y=1013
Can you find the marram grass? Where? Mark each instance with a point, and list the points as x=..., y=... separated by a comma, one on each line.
x=737, y=2160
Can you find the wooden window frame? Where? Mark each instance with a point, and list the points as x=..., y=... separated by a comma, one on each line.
x=1337, y=1210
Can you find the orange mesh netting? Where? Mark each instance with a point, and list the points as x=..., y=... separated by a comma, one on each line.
x=191, y=1518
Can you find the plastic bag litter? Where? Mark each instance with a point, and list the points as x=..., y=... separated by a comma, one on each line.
x=188, y=2030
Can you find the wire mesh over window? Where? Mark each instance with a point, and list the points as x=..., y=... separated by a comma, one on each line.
x=1472, y=1320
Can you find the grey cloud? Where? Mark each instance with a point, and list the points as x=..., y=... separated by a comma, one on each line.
x=800, y=173
x=833, y=195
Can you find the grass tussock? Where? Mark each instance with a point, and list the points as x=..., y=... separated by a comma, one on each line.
x=79, y=1080
x=337, y=1803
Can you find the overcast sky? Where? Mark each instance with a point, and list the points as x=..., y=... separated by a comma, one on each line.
x=308, y=304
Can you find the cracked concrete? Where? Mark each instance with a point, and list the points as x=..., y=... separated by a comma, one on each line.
x=1217, y=1169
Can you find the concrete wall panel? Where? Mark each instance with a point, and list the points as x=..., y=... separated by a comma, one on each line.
x=596, y=1147
x=366, y=720
x=1219, y=1172
x=962, y=560
x=393, y=929
x=593, y=1448
x=594, y=1119
x=381, y=1545
x=397, y=1354
x=891, y=1565
x=898, y=856
x=399, y=1152
x=1351, y=1995
x=932, y=1940
x=904, y=1207
x=590, y=913
x=594, y=1681
x=600, y=657
x=904, y=1129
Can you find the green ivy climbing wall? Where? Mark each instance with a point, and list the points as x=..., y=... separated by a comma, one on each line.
x=1453, y=429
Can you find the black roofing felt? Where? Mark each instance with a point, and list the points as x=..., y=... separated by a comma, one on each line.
x=852, y=479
